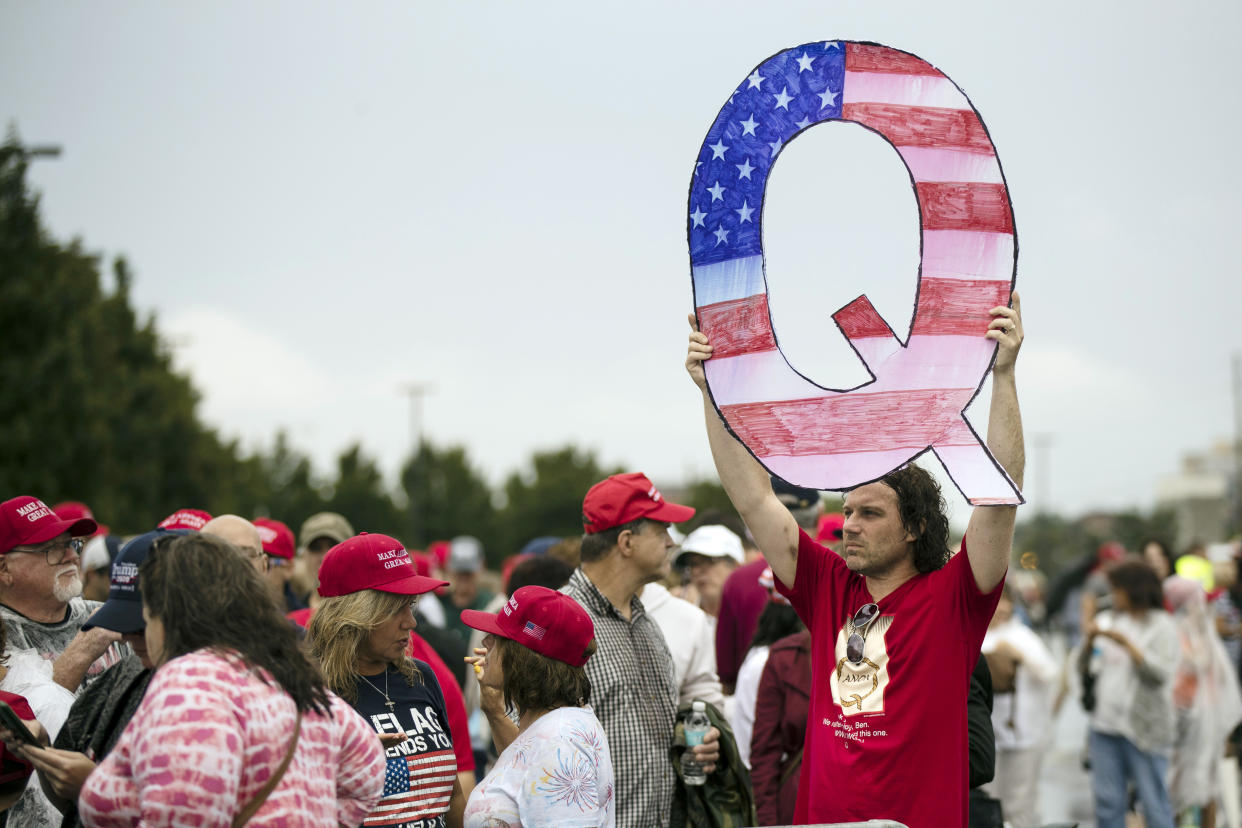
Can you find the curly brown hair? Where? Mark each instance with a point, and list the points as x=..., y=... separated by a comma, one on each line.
x=922, y=509
x=1139, y=582
x=537, y=682
x=210, y=597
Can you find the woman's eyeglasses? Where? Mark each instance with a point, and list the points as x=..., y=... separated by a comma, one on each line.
x=55, y=552
x=863, y=619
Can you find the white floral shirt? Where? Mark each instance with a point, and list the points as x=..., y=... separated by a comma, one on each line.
x=558, y=772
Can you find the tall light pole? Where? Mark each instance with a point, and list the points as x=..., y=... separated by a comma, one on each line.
x=1236, y=480
x=1043, y=453
x=416, y=391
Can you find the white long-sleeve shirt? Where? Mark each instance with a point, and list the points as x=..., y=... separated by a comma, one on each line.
x=691, y=637
x=1029, y=707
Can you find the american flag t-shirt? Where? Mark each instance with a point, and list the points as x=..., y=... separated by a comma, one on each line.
x=416, y=787
x=421, y=772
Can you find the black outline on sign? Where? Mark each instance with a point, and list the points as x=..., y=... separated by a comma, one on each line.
x=1012, y=279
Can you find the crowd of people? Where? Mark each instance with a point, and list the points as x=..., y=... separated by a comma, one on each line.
x=219, y=670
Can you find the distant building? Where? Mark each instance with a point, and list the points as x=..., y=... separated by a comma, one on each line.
x=1201, y=495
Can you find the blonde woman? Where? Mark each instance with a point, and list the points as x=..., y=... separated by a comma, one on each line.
x=359, y=634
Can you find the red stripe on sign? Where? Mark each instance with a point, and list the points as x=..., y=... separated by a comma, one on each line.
x=859, y=319
x=739, y=326
x=957, y=307
x=953, y=205
x=852, y=422
x=923, y=126
x=860, y=57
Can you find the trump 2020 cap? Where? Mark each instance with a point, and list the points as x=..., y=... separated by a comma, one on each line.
x=122, y=612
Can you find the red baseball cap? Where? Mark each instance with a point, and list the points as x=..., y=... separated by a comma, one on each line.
x=830, y=527
x=192, y=520
x=540, y=619
x=276, y=537
x=76, y=510
x=27, y=520
x=371, y=562
x=625, y=497
x=422, y=563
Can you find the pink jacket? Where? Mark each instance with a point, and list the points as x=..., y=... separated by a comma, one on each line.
x=208, y=735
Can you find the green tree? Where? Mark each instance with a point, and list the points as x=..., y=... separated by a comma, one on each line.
x=90, y=407
x=446, y=496
x=360, y=494
x=547, y=498
x=1055, y=541
x=291, y=492
x=1134, y=528
x=707, y=495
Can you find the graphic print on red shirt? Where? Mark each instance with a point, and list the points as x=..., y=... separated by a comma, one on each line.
x=886, y=737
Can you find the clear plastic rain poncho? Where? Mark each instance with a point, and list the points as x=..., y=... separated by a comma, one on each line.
x=1205, y=693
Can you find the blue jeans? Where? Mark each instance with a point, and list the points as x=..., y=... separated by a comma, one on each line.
x=1114, y=761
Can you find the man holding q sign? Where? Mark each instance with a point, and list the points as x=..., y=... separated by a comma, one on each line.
x=896, y=622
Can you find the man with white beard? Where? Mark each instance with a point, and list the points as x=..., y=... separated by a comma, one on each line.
x=40, y=589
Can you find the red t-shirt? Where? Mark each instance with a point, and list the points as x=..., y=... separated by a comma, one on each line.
x=886, y=739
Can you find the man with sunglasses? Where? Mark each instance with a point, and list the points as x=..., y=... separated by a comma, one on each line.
x=40, y=589
x=896, y=624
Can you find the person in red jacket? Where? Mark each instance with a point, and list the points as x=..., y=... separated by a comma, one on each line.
x=780, y=726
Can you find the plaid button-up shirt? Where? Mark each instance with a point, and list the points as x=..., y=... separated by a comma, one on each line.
x=635, y=698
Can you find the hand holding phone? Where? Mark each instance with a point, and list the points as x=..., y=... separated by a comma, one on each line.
x=10, y=721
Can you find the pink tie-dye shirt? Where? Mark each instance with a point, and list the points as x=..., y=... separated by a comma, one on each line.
x=209, y=734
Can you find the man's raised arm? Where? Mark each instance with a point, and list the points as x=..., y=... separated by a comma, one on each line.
x=989, y=535
x=744, y=479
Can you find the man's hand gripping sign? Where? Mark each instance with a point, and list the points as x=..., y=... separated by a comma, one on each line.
x=836, y=439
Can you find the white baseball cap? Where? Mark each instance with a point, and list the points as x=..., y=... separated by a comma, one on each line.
x=713, y=541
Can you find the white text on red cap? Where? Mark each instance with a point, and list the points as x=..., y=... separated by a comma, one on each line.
x=34, y=511
x=394, y=558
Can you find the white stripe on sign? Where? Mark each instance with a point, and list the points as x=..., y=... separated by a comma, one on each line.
x=903, y=90
x=728, y=280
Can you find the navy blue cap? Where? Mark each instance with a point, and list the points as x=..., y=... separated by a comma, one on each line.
x=122, y=612
x=540, y=545
x=802, y=497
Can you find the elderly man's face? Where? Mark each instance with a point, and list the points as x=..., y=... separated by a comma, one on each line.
x=240, y=533
x=30, y=573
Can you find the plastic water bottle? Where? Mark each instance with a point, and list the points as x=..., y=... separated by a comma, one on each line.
x=696, y=728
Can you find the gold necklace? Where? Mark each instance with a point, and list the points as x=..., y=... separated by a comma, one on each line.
x=391, y=704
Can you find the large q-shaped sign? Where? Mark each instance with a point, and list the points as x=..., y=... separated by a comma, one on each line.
x=835, y=439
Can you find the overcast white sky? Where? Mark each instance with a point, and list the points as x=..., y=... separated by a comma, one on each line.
x=324, y=201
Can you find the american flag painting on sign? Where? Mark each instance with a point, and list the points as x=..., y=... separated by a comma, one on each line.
x=826, y=438
x=415, y=787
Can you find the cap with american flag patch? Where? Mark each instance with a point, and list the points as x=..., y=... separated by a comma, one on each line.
x=533, y=612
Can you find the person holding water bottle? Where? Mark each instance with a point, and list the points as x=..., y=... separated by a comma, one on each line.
x=626, y=545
